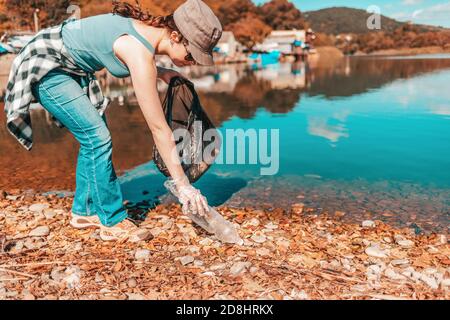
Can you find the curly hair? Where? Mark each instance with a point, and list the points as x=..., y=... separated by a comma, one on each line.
x=127, y=10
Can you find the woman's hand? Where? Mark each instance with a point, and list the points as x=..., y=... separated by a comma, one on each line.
x=191, y=199
x=167, y=74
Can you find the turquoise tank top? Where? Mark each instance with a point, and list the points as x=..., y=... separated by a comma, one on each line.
x=90, y=42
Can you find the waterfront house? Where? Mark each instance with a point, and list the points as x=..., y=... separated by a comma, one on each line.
x=283, y=41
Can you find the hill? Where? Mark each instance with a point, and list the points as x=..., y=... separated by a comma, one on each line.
x=337, y=20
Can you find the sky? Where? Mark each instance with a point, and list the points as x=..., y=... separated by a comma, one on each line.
x=431, y=12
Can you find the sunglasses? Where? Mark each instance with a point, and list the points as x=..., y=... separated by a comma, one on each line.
x=189, y=56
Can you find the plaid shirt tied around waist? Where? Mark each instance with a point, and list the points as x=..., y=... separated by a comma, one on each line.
x=45, y=52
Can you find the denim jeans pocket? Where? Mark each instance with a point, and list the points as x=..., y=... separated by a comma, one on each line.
x=62, y=87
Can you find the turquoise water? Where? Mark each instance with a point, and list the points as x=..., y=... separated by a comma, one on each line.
x=400, y=132
x=377, y=147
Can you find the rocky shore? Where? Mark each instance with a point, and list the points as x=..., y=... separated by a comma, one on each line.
x=287, y=254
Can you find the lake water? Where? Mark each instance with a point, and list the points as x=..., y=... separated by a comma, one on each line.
x=368, y=137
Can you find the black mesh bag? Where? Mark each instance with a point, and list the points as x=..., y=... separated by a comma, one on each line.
x=201, y=143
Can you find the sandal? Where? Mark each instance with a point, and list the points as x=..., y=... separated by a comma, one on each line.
x=85, y=222
x=125, y=230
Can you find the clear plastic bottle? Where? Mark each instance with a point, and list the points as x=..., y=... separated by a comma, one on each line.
x=213, y=223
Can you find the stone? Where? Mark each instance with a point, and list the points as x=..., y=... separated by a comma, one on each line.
x=446, y=282
x=432, y=249
x=253, y=222
x=168, y=225
x=239, y=268
x=259, y=238
x=41, y=231
x=217, y=266
x=186, y=260
x=198, y=263
x=38, y=207
x=405, y=243
x=205, y=242
x=263, y=251
x=142, y=254
x=132, y=283
x=399, y=262
x=49, y=214
x=155, y=232
x=429, y=281
x=376, y=252
x=271, y=226
x=391, y=274
x=368, y=224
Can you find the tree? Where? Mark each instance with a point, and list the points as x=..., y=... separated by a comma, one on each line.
x=249, y=30
x=21, y=12
x=281, y=15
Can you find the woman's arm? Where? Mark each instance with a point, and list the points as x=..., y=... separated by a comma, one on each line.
x=143, y=75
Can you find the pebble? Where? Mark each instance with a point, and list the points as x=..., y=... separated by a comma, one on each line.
x=271, y=225
x=259, y=238
x=49, y=214
x=198, y=263
x=239, y=268
x=263, y=251
x=405, y=243
x=253, y=222
x=41, y=231
x=368, y=224
x=376, y=252
x=387, y=239
x=12, y=198
x=155, y=232
x=132, y=283
x=186, y=260
x=217, y=266
x=433, y=250
x=38, y=207
x=391, y=274
x=399, y=262
x=142, y=254
x=429, y=281
x=205, y=242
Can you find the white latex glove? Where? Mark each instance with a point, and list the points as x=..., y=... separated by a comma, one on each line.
x=191, y=199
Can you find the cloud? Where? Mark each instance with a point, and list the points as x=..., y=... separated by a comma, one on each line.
x=434, y=15
x=411, y=2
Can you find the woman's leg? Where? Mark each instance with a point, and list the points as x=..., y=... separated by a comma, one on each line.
x=98, y=188
x=83, y=200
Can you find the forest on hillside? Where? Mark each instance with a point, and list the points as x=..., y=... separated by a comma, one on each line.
x=249, y=23
x=342, y=27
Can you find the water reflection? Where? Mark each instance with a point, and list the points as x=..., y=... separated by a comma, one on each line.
x=353, y=119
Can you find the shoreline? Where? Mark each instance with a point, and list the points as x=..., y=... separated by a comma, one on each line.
x=408, y=51
x=291, y=254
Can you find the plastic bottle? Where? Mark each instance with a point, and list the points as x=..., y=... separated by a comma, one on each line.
x=213, y=223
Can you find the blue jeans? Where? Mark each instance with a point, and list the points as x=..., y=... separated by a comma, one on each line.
x=97, y=187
